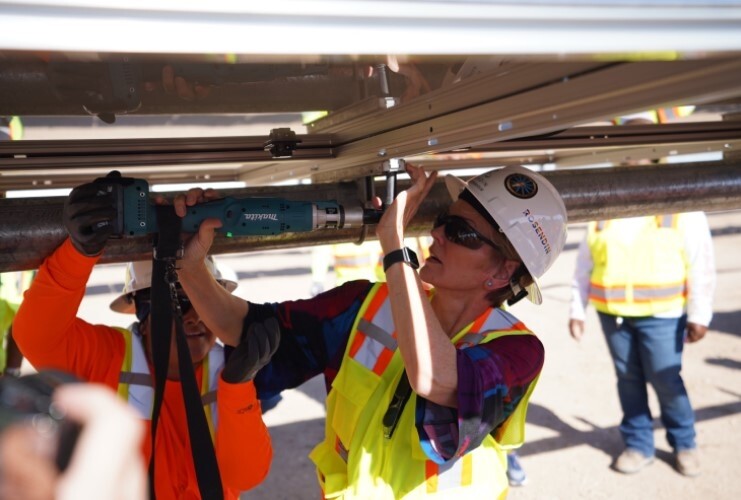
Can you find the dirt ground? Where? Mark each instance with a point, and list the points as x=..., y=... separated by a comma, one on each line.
x=572, y=431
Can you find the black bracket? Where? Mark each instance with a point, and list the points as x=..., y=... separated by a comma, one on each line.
x=281, y=143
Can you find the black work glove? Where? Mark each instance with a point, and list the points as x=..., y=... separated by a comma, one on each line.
x=253, y=352
x=89, y=215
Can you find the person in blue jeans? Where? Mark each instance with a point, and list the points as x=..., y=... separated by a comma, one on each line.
x=651, y=280
x=516, y=475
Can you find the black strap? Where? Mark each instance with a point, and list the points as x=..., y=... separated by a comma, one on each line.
x=161, y=320
x=164, y=301
x=396, y=406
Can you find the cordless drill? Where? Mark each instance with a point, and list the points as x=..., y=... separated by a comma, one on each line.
x=239, y=216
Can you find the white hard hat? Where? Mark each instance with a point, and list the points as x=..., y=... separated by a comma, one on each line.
x=139, y=277
x=529, y=211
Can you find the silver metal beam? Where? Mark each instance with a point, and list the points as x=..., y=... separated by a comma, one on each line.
x=593, y=137
x=31, y=228
x=651, y=27
x=603, y=94
x=502, y=80
x=114, y=153
x=59, y=163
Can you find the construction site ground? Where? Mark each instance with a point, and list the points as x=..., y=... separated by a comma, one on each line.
x=572, y=430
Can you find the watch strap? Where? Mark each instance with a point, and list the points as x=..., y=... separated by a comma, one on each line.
x=404, y=255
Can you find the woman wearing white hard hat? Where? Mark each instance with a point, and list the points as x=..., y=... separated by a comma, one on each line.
x=426, y=388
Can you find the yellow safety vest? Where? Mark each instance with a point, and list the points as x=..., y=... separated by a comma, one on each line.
x=356, y=262
x=639, y=277
x=136, y=386
x=356, y=460
x=12, y=286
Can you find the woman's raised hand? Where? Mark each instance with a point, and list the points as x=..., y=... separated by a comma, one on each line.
x=390, y=229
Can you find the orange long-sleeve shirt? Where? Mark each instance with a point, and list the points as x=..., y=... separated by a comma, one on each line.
x=50, y=335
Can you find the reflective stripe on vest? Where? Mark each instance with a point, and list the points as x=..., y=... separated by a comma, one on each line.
x=450, y=475
x=375, y=341
x=136, y=386
x=640, y=277
x=359, y=398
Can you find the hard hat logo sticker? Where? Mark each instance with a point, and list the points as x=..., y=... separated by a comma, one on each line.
x=521, y=186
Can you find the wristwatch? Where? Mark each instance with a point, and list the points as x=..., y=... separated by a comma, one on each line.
x=404, y=255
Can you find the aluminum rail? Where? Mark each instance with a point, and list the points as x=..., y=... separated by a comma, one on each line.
x=31, y=228
x=67, y=163
x=78, y=153
x=617, y=90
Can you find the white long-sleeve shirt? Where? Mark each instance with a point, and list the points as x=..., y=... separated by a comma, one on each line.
x=698, y=246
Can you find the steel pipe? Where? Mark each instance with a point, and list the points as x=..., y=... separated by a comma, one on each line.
x=616, y=192
x=31, y=228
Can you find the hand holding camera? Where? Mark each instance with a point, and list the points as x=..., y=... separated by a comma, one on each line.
x=64, y=440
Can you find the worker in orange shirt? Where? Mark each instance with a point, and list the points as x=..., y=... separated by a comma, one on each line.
x=51, y=336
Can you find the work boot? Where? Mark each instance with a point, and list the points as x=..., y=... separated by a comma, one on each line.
x=515, y=473
x=688, y=462
x=631, y=461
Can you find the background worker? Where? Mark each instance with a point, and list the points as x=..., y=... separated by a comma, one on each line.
x=12, y=286
x=349, y=261
x=651, y=280
x=51, y=336
x=11, y=128
x=425, y=389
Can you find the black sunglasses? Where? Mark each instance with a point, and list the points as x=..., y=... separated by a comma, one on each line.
x=460, y=232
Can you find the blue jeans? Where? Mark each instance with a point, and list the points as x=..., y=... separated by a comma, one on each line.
x=649, y=351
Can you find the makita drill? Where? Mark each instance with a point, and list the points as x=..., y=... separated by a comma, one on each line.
x=239, y=216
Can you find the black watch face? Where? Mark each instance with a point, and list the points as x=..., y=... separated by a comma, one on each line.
x=413, y=260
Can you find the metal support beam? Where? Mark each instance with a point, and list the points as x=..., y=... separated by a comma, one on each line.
x=66, y=163
x=113, y=153
x=31, y=228
x=669, y=29
x=599, y=94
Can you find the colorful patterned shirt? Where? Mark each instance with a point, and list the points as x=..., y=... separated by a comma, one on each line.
x=492, y=377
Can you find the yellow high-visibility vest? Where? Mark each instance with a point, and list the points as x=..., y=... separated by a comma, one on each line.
x=12, y=287
x=136, y=385
x=356, y=460
x=642, y=276
x=356, y=262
